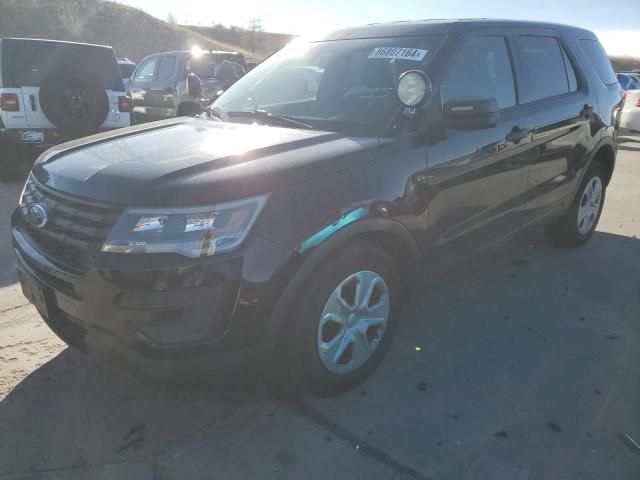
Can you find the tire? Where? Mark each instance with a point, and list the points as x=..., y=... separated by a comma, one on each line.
x=305, y=368
x=74, y=101
x=569, y=231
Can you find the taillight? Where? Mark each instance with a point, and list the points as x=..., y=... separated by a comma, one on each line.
x=124, y=104
x=9, y=102
x=638, y=103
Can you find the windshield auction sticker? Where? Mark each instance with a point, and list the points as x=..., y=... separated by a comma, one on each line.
x=399, y=53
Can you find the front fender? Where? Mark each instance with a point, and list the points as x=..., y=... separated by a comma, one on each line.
x=390, y=234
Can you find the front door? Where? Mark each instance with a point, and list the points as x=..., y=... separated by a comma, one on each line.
x=477, y=177
x=141, y=84
x=162, y=94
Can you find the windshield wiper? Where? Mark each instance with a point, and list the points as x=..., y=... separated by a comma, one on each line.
x=271, y=118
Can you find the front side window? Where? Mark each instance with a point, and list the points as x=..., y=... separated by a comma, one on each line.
x=545, y=63
x=347, y=86
x=482, y=69
x=166, y=68
x=147, y=71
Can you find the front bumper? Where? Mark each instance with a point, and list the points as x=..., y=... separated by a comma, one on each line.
x=133, y=316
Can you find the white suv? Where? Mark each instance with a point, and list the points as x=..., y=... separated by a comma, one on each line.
x=51, y=92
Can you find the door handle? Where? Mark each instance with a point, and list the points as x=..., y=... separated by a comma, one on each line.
x=587, y=111
x=516, y=134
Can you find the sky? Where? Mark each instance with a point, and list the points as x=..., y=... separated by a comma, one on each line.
x=616, y=22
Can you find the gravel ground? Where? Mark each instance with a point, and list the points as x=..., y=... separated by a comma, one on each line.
x=520, y=363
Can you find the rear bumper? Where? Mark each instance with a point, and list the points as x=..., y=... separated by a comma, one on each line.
x=630, y=119
x=51, y=136
x=212, y=331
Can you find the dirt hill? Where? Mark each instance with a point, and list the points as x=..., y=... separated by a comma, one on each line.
x=625, y=64
x=135, y=34
x=130, y=31
x=261, y=43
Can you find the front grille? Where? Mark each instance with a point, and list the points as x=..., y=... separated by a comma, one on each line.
x=75, y=229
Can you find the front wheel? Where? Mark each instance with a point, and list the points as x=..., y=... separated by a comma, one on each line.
x=343, y=320
x=577, y=225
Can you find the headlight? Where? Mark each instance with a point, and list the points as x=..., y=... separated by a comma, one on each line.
x=192, y=232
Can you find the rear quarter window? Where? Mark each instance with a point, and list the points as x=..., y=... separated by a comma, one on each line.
x=599, y=59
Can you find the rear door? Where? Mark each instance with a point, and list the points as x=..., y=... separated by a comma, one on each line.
x=477, y=177
x=142, y=82
x=558, y=95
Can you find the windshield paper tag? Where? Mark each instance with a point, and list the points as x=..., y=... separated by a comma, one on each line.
x=399, y=53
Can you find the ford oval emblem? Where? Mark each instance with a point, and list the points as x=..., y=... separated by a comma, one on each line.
x=37, y=215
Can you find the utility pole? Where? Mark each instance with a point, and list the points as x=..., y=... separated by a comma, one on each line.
x=255, y=25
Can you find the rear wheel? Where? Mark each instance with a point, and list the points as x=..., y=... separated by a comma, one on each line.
x=343, y=320
x=577, y=225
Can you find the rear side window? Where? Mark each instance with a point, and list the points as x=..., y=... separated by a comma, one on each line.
x=623, y=80
x=166, y=68
x=482, y=70
x=628, y=82
x=598, y=58
x=549, y=69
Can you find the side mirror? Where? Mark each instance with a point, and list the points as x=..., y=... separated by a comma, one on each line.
x=471, y=114
x=194, y=85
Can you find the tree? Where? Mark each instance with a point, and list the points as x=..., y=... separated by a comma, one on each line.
x=171, y=18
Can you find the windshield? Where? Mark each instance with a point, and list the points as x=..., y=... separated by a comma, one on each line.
x=346, y=86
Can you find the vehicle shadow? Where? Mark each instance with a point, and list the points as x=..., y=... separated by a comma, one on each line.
x=72, y=419
x=9, y=193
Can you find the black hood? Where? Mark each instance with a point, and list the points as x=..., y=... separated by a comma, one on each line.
x=193, y=161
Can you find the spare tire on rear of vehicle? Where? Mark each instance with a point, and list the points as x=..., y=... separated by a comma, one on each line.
x=74, y=101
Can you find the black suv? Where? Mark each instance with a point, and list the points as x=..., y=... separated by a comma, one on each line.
x=288, y=227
